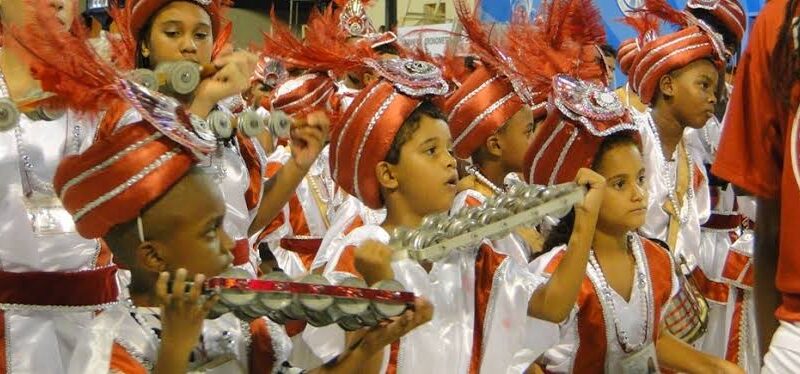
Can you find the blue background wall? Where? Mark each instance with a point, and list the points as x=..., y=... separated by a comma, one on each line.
x=611, y=10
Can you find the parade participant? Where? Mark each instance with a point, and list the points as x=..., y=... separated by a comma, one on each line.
x=492, y=119
x=296, y=234
x=139, y=187
x=763, y=106
x=727, y=287
x=51, y=280
x=143, y=193
x=165, y=31
x=402, y=162
x=616, y=322
x=677, y=75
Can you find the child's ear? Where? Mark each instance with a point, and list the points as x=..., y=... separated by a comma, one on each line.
x=667, y=85
x=493, y=145
x=386, y=174
x=150, y=256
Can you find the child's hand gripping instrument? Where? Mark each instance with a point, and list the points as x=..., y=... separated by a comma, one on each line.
x=180, y=77
x=521, y=205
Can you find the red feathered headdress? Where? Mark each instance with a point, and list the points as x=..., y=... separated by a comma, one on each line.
x=730, y=14
x=518, y=69
x=323, y=53
x=367, y=129
x=583, y=110
x=660, y=55
x=353, y=20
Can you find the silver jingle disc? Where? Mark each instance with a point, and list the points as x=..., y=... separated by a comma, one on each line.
x=387, y=309
x=350, y=323
x=220, y=123
x=243, y=315
x=257, y=308
x=369, y=317
x=317, y=303
x=317, y=318
x=144, y=77
x=217, y=311
x=182, y=77
x=279, y=124
x=275, y=300
x=232, y=297
x=294, y=311
x=250, y=123
x=236, y=298
x=352, y=306
x=9, y=115
x=277, y=317
x=46, y=114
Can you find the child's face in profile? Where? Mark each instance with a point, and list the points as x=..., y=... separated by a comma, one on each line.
x=426, y=171
x=515, y=137
x=624, y=204
x=191, y=236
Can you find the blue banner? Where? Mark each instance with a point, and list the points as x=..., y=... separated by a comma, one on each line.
x=611, y=11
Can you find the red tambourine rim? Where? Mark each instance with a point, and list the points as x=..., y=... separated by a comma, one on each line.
x=260, y=285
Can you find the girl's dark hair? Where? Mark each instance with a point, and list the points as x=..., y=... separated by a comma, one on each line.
x=409, y=126
x=785, y=63
x=561, y=233
x=144, y=36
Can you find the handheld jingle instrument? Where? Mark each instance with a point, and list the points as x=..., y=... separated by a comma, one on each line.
x=279, y=124
x=180, y=77
x=351, y=304
x=222, y=124
x=522, y=205
x=42, y=106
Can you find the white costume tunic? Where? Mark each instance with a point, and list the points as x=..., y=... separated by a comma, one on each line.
x=727, y=280
x=630, y=314
x=38, y=336
x=233, y=178
x=511, y=245
x=463, y=287
x=307, y=215
x=226, y=345
x=660, y=174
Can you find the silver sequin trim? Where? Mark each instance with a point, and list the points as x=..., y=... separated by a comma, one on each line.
x=372, y=122
x=482, y=116
x=562, y=156
x=130, y=182
x=468, y=97
x=344, y=131
x=302, y=100
x=541, y=151
x=56, y=308
x=664, y=59
x=659, y=48
x=80, y=178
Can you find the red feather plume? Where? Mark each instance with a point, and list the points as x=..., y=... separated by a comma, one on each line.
x=644, y=24
x=561, y=40
x=64, y=62
x=123, y=44
x=222, y=39
x=323, y=50
x=664, y=11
